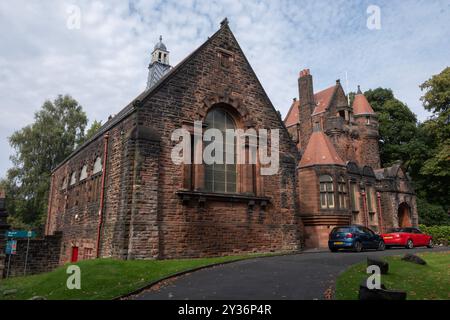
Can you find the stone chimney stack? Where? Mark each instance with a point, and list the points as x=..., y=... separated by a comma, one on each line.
x=306, y=106
x=305, y=88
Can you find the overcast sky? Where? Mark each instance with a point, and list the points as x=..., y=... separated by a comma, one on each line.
x=103, y=64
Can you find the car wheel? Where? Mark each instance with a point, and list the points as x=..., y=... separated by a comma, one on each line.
x=381, y=246
x=358, y=246
x=430, y=244
x=409, y=244
x=333, y=250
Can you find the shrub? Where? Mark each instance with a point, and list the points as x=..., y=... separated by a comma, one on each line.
x=431, y=214
x=440, y=234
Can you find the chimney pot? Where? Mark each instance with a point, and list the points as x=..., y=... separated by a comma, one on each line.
x=304, y=72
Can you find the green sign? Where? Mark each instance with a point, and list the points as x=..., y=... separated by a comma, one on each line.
x=20, y=234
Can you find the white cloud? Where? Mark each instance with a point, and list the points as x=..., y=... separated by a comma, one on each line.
x=104, y=64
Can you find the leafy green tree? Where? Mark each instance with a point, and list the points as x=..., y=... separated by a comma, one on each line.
x=437, y=93
x=431, y=214
x=57, y=129
x=435, y=171
x=418, y=145
x=437, y=100
x=398, y=126
x=93, y=129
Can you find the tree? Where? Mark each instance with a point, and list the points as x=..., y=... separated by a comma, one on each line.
x=417, y=145
x=431, y=214
x=437, y=93
x=57, y=129
x=93, y=129
x=436, y=168
x=397, y=126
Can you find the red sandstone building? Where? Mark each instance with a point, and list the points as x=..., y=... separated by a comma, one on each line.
x=120, y=195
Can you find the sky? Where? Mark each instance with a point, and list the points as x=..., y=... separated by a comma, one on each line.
x=99, y=51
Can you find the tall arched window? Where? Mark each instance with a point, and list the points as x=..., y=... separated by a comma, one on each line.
x=342, y=190
x=326, y=192
x=221, y=177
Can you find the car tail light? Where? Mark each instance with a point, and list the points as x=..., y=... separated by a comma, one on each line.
x=349, y=235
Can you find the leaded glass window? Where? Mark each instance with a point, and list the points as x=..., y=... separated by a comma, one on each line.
x=221, y=177
x=342, y=190
x=326, y=192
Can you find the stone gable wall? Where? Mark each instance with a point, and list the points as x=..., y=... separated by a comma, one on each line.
x=191, y=227
x=144, y=214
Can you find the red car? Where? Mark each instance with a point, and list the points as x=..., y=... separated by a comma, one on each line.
x=407, y=237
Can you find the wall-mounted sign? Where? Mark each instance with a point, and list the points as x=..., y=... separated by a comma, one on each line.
x=11, y=247
x=20, y=234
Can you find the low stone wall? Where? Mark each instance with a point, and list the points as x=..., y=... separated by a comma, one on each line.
x=43, y=256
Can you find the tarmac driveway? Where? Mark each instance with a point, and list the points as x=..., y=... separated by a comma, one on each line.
x=301, y=276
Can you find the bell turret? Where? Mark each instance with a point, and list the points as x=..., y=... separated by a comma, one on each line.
x=159, y=64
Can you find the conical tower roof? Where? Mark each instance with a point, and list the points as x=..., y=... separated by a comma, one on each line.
x=361, y=105
x=320, y=151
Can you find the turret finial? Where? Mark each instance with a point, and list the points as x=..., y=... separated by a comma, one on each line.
x=224, y=22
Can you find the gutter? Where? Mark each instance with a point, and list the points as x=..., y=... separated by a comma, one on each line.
x=49, y=209
x=102, y=193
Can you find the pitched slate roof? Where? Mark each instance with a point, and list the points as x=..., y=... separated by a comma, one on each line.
x=292, y=116
x=134, y=104
x=320, y=151
x=322, y=99
x=361, y=105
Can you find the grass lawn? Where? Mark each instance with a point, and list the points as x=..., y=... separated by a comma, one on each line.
x=429, y=282
x=103, y=278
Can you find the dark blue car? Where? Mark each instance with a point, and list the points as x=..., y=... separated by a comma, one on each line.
x=356, y=238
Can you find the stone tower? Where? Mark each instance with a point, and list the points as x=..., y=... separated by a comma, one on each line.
x=159, y=64
x=368, y=152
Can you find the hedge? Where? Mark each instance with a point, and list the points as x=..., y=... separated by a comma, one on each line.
x=440, y=234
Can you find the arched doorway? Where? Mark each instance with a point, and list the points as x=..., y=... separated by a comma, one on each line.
x=404, y=215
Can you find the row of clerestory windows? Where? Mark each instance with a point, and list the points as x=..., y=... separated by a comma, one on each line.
x=83, y=175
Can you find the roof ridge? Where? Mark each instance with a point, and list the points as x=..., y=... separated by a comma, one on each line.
x=131, y=107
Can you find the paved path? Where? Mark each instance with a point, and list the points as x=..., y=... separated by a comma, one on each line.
x=300, y=276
